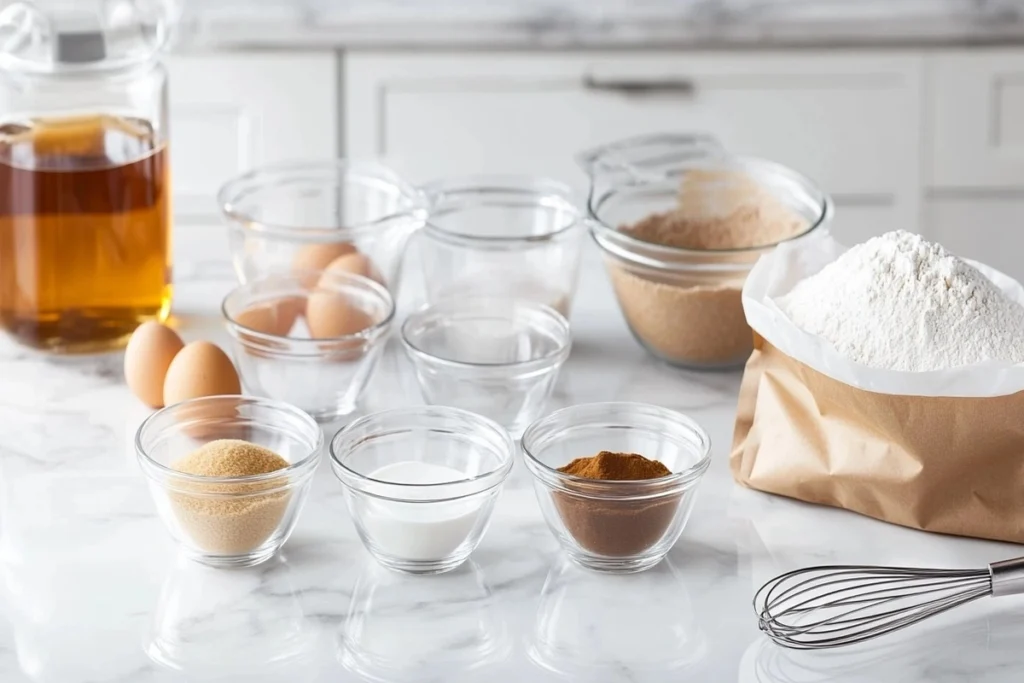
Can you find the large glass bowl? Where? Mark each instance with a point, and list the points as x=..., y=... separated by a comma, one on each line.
x=684, y=305
x=302, y=216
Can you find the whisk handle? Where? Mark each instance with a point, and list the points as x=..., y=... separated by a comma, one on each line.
x=1007, y=577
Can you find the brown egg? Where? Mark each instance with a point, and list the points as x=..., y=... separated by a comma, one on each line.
x=146, y=359
x=275, y=317
x=200, y=369
x=319, y=256
x=356, y=264
x=331, y=314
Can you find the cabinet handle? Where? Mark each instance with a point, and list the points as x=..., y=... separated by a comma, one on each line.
x=633, y=86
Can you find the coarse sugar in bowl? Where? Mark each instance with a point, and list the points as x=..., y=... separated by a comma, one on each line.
x=229, y=474
x=307, y=216
x=616, y=525
x=421, y=483
x=681, y=221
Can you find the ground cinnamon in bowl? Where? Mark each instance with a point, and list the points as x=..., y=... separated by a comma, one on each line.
x=615, y=527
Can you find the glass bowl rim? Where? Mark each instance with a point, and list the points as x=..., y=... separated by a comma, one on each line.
x=618, y=243
x=553, y=358
x=481, y=186
x=499, y=473
x=372, y=332
x=304, y=466
x=598, y=488
x=259, y=179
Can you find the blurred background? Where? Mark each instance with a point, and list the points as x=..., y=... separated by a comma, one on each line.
x=909, y=112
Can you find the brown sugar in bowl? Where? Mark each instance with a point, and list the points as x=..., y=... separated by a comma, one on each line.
x=678, y=272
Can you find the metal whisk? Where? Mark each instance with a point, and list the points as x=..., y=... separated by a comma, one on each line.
x=824, y=607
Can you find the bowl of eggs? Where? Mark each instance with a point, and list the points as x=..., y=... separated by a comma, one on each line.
x=307, y=216
x=311, y=338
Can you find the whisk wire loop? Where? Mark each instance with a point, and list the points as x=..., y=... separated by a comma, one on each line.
x=820, y=607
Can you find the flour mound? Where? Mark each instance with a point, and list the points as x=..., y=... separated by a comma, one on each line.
x=898, y=302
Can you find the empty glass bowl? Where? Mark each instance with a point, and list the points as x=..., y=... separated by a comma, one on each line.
x=315, y=348
x=497, y=357
x=616, y=526
x=229, y=521
x=302, y=216
x=421, y=483
x=503, y=236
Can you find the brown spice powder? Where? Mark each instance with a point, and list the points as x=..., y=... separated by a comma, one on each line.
x=231, y=519
x=614, y=527
x=698, y=318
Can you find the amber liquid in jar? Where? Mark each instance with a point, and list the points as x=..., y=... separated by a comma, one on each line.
x=84, y=231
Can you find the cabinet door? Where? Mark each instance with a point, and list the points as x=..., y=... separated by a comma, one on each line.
x=232, y=112
x=984, y=227
x=976, y=119
x=849, y=121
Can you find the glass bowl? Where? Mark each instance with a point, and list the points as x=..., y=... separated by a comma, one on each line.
x=229, y=521
x=303, y=215
x=505, y=236
x=684, y=306
x=272, y=322
x=497, y=357
x=616, y=526
x=421, y=483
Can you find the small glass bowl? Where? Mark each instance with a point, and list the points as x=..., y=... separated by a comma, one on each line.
x=496, y=357
x=412, y=526
x=504, y=236
x=616, y=526
x=269, y=323
x=229, y=521
x=303, y=215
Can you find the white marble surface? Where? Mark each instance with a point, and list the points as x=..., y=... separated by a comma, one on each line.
x=598, y=23
x=93, y=592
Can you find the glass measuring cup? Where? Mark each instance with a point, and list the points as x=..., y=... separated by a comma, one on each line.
x=681, y=221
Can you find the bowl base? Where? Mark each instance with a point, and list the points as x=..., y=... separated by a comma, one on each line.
x=233, y=561
x=421, y=567
x=615, y=565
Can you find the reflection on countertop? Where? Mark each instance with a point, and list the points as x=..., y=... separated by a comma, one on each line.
x=93, y=591
x=491, y=24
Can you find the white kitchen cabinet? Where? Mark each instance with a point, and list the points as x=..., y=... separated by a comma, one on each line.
x=232, y=112
x=850, y=121
x=981, y=226
x=975, y=119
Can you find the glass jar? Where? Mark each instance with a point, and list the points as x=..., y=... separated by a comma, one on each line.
x=85, y=212
x=681, y=222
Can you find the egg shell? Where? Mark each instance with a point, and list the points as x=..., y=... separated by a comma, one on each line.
x=200, y=369
x=146, y=360
x=356, y=264
x=331, y=315
x=319, y=256
x=275, y=317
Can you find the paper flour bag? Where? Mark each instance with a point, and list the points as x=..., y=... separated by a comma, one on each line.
x=937, y=450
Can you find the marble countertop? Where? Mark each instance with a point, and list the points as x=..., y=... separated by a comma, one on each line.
x=92, y=591
x=511, y=24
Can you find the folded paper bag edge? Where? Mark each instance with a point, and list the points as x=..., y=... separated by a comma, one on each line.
x=793, y=261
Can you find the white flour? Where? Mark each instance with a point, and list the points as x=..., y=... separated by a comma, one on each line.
x=898, y=302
